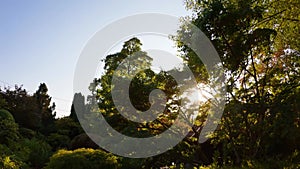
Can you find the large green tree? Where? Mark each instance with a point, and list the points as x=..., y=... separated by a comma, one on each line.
x=130, y=65
x=258, y=44
x=133, y=66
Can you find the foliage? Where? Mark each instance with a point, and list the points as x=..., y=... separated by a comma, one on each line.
x=58, y=141
x=82, y=158
x=45, y=109
x=259, y=51
x=68, y=127
x=79, y=101
x=132, y=163
x=82, y=141
x=38, y=152
x=258, y=43
x=3, y=103
x=8, y=128
x=8, y=163
x=23, y=107
x=289, y=162
x=27, y=133
x=8, y=160
x=4, y=114
x=133, y=66
x=30, y=111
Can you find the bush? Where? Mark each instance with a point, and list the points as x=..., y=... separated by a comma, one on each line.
x=9, y=160
x=132, y=163
x=7, y=163
x=4, y=114
x=38, y=152
x=69, y=127
x=27, y=133
x=58, y=141
x=83, y=141
x=8, y=128
x=290, y=162
x=82, y=159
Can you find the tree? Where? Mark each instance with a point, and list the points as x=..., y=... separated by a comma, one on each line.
x=45, y=109
x=78, y=100
x=23, y=107
x=131, y=65
x=31, y=111
x=262, y=69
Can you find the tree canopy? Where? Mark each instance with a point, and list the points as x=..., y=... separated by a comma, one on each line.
x=258, y=45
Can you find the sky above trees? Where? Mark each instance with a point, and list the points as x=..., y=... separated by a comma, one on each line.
x=40, y=41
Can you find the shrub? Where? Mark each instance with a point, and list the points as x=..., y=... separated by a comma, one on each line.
x=4, y=114
x=27, y=133
x=58, y=141
x=82, y=159
x=7, y=163
x=38, y=151
x=83, y=141
x=69, y=127
x=8, y=128
x=290, y=162
x=9, y=160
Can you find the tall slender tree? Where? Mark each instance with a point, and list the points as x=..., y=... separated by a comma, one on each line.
x=45, y=108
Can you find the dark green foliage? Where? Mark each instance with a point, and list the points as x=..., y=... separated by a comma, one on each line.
x=27, y=133
x=78, y=100
x=38, y=152
x=132, y=163
x=8, y=132
x=23, y=107
x=58, y=141
x=45, y=109
x=8, y=128
x=6, y=115
x=11, y=160
x=68, y=127
x=82, y=141
x=3, y=103
x=31, y=111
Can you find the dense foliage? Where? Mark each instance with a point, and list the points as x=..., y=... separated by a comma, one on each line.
x=82, y=158
x=258, y=44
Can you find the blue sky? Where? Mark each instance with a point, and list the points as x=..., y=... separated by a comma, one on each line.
x=40, y=41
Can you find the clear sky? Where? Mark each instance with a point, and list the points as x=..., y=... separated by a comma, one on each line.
x=40, y=41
